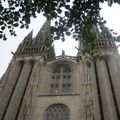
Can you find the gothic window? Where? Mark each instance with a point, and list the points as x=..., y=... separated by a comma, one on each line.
x=61, y=79
x=57, y=112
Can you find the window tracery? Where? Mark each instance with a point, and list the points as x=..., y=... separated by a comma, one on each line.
x=57, y=112
x=61, y=81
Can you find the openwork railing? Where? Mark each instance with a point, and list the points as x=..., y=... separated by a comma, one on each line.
x=102, y=43
x=65, y=57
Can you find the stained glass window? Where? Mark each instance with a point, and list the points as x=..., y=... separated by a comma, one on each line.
x=57, y=112
x=61, y=79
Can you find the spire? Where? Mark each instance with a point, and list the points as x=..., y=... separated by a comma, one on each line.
x=44, y=32
x=29, y=36
x=27, y=40
x=102, y=39
x=40, y=43
x=96, y=31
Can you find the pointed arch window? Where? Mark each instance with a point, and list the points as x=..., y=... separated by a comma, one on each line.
x=57, y=112
x=61, y=81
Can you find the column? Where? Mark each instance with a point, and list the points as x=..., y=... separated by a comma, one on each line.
x=115, y=81
x=96, y=105
x=87, y=93
x=80, y=78
x=106, y=93
x=29, y=97
x=9, y=87
x=18, y=93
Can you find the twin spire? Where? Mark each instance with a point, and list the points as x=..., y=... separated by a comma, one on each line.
x=41, y=42
x=44, y=32
x=42, y=35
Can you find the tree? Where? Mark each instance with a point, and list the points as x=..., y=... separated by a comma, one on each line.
x=71, y=16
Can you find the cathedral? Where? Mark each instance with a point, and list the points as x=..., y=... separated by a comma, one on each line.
x=38, y=85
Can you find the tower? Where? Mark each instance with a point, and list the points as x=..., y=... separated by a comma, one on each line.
x=38, y=85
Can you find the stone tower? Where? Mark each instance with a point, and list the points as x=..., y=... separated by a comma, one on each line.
x=38, y=85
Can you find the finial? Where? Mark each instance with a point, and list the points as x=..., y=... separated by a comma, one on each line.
x=63, y=53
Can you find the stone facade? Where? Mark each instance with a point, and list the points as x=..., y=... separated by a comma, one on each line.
x=40, y=86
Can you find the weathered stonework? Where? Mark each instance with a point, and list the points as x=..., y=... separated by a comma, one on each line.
x=88, y=93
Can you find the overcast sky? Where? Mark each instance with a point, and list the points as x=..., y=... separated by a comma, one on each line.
x=111, y=15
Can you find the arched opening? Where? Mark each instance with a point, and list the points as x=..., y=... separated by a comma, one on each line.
x=57, y=112
x=61, y=81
